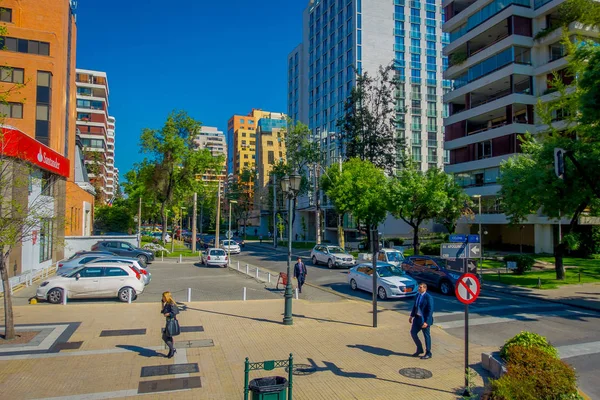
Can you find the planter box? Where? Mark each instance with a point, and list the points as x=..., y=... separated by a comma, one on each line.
x=492, y=363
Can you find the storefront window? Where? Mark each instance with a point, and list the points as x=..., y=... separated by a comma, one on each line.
x=46, y=239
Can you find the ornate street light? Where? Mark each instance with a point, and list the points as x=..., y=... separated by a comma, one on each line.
x=290, y=185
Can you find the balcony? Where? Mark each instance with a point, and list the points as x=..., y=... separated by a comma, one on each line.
x=399, y=32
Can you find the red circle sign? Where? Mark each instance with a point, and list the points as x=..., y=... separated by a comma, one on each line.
x=467, y=288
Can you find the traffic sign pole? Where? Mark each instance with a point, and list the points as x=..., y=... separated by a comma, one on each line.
x=466, y=294
x=467, y=392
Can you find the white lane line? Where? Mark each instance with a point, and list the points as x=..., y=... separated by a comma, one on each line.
x=97, y=396
x=574, y=350
x=475, y=310
x=181, y=358
x=508, y=318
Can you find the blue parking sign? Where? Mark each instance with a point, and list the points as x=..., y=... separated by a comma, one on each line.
x=458, y=238
x=473, y=239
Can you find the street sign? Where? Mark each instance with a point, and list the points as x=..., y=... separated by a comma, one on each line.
x=229, y=234
x=453, y=250
x=473, y=239
x=457, y=238
x=467, y=288
x=474, y=250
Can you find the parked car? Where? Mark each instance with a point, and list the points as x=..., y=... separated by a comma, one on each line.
x=390, y=256
x=436, y=271
x=89, y=252
x=214, y=257
x=125, y=249
x=231, y=245
x=93, y=281
x=67, y=266
x=158, y=235
x=392, y=281
x=333, y=256
x=143, y=271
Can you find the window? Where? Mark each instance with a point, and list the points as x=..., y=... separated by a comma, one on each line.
x=5, y=14
x=270, y=143
x=115, y=272
x=46, y=239
x=125, y=246
x=43, y=99
x=242, y=121
x=11, y=110
x=12, y=75
x=484, y=149
x=91, y=272
x=24, y=46
x=271, y=157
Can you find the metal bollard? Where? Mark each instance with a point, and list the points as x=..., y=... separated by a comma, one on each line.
x=269, y=277
x=238, y=265
x=130, y=295
x=244, y=293
x=162, y=256
x=180, y=259
x=256, y=272
x=247, y=270
x=64, y=297
x=296, y=293
x=539, y=283
x=189, y=295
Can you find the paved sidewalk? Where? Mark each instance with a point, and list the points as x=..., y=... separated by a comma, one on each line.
x=349, y=359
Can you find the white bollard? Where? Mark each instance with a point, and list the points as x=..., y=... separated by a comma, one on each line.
x=256, y=272
x=247, y=270
x=162, y=256
x=296, y=293
x=64, y=298
x=269, y=277
x=189, y=295
x=238, y=264
x=180, y=259
x=130, y=295
x=11, y=287
x=244, y=293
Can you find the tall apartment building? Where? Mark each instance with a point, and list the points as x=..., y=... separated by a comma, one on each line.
x=96, y=130
x=213, y=139
x=38, y=127
x=500, y=72
x=342, y=37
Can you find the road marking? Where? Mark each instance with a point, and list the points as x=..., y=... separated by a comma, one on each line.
x=508, y=318
x=474, y=310
x=574, y=350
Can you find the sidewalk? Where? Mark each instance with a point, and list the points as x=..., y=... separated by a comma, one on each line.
x=342, y=355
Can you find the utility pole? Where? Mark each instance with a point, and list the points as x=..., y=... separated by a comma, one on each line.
x=317, y=208
x=194, y=218
x=274, y=210
x=140, y=222
x=341, y=238
x=218, y=215
x=201, y=215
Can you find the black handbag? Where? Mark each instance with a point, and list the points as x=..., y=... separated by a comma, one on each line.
x=172, y=328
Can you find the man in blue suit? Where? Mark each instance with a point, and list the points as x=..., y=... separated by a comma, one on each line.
x=421, y=318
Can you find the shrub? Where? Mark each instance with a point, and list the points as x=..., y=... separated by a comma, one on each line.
x=431, y=249
x=534, y=374
x=528, y=340
x=524, y=263
x=397, y=241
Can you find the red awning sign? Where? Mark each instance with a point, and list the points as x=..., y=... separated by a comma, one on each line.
x=15, y=143
x=467, y=288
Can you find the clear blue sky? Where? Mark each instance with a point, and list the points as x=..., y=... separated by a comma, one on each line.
x=210, y=58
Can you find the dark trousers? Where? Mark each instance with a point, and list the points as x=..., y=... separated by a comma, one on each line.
x=300, y=283
x=168, y=340
x=417, y=326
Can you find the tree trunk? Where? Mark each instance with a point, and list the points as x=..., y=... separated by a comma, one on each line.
x=9, y=323
x=558, y=262
x=164, y=222
x=340, y=231
x=416, y=244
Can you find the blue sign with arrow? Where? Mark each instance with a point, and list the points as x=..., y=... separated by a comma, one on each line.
x=458, y=238
x=473, y=239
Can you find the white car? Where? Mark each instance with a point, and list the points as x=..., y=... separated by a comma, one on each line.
x=158, y=235
x=146, y=275
x=93, y=281
x=231, y=245
x=392, y=281
x=214, y=257
x=390, y=256
x=333, y=256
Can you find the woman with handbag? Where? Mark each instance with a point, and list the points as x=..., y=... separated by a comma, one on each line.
x=170, y=311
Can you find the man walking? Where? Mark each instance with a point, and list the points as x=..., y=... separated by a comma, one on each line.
x=421, y=318
x=300, y=273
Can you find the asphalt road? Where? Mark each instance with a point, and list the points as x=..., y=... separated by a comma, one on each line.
x=494, y=317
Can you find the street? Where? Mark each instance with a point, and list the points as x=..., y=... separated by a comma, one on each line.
x=494, y=317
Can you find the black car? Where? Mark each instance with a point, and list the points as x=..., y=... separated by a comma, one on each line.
x=436, y=271
x=124, y=249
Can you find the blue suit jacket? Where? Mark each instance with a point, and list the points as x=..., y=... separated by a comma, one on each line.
x=426, y=307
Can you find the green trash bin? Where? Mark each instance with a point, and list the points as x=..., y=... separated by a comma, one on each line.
x=269, y=388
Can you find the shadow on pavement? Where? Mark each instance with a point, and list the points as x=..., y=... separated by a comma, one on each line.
x=329, y=320
x=378, y=351
x=234, y=315
x=144, y=352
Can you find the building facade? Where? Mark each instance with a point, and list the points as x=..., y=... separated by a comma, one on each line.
x=39, y=133
x=96, y=131
x=501, y=66
x=344, y=37
x=213, y=139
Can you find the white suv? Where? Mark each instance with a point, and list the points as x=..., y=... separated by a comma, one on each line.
x=93, y=281
x=333, y=256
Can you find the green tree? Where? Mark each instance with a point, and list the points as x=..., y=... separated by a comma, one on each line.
x=416, y=197
x=458, y=204
x=115, y=218
x=241, y=191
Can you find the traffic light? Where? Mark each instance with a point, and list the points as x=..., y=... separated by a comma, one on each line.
x=559, y=163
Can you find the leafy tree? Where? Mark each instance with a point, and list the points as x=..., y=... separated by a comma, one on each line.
x=115, y=218
x=301, y=149
x=416, y=197
x=369, y=125
x=241, y=190
x=458, y=204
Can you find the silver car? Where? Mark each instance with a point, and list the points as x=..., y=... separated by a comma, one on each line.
x=143, y=271
x=392, y=281
x=214, y=257
x=333, y=256
x=77, y=260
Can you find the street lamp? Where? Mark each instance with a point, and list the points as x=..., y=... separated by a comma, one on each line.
x=291, y=186
x=229, y=235
x=478, y=197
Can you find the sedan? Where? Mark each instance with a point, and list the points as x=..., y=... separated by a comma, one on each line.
x=232, y=246
x=214, y=257
x=125, y=249
x=67, y=266
x=93, y=281
x=143, y=271
x=437, y=272
x=392, y=281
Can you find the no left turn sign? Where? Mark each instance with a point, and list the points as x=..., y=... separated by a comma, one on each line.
x=467, y=288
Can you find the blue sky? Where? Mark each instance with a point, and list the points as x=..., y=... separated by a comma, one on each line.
x=210, y=58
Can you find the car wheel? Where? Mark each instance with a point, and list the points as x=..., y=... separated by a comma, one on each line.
x=124, y=294
x=353, y=284
x=142, y=259
x=446, y=287
x=381, y=293
x=314, y=260
x=330, y=264
x=55, y=296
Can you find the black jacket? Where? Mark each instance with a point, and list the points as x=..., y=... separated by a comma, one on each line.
x=171, y=309
x=299, y=271
x=426, y=307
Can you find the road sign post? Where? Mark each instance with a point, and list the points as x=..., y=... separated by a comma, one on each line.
x=467, y=290
x=453, y=250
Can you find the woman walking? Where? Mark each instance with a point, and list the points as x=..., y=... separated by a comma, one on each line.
x=169, y=310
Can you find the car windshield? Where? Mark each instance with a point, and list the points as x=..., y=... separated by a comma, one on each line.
x=335, y=249
x=440, y=262
x=217, y=253
x=74, y=272
x=389, y=270
x=395, y=256
x=229, y=243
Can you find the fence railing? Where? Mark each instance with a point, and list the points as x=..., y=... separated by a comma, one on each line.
x=27, y=279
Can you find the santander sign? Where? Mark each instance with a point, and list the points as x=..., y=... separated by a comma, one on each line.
x=14, y=143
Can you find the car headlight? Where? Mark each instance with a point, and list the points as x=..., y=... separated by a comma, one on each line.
x=454, y=276
x=44, y=284
x=393, y=287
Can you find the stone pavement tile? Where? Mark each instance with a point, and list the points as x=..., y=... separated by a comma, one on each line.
x=352, y=360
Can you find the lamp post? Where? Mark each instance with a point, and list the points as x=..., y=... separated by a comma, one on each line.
x=229, y=233
x=478, y=197
x=289, y=185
